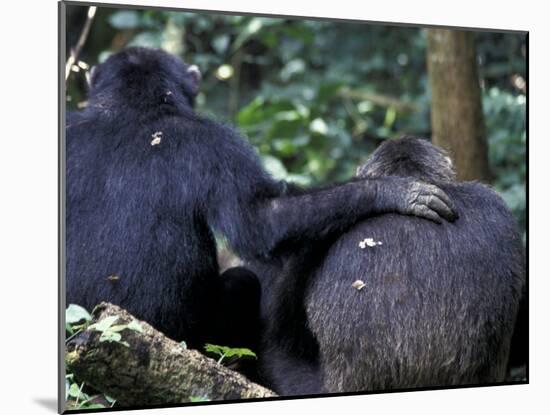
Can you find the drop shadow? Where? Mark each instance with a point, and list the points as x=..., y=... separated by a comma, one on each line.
x=48, y=403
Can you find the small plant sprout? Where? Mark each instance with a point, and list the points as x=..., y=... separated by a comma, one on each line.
x=227, y=352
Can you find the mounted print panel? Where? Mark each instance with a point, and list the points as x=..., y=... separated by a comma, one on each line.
x=269, y=207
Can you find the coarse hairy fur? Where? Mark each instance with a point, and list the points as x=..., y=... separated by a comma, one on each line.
x=409, y=156
x=437, y=307
x=149, y=182
x=141, y=217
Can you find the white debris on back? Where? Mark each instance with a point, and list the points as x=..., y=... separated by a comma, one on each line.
x=157, y=137
x=358, y=285
x=370, y=242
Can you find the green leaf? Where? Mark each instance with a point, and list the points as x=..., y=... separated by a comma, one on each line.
x=109, y=399
x=103, y=56
x=254, y=26
x=293, y=67
x=110, y=336
x=299, y=179
x=215, y=349
x=198, y=399
x=85, y=405
x=319, y=126
x=76, y=393
x=240, y=352
x=134, y=325
x=104, y=324
x=75, y=313
x=251, y=114
x=124, y=19
x=118, y=327
x=391, y=115
x=328, y=91
x=220, y=43
x=147, y=40
x=274, y=166
x=228, y=351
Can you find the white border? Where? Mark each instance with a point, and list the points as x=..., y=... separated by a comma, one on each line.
x=29, y=203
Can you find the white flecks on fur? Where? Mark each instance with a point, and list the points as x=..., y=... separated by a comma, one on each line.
x=358, y=285
x=157, y=137
x=166, y=95
x=370, y=242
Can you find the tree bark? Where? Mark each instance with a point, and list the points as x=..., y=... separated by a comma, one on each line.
x=151, y=369
x=456, y=113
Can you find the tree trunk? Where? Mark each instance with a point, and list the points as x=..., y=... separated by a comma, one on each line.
x=457, y=115
x=144, y=367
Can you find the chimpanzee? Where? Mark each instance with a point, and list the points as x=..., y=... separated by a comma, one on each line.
x=397, y=301
x=149, y=181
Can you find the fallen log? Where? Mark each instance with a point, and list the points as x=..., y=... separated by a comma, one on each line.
x=137, y=365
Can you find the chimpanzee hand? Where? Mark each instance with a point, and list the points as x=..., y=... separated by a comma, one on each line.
x=412, y=197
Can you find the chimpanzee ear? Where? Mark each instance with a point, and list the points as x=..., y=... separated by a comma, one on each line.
x=195, y=77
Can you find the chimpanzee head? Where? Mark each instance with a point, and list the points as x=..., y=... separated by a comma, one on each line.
x=409, y=157
x=136, y=74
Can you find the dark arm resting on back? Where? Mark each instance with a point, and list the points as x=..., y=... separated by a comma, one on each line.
x=256, y=226
x=257, y=214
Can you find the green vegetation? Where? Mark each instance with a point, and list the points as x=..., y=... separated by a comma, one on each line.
x=224, y=352
x=78, y=395
x=315, y=97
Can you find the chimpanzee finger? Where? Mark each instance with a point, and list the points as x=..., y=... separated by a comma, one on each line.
x=435, y=203
x=436, y=191
x=422, y=210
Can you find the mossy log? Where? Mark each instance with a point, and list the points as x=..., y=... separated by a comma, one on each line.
x=145, y=367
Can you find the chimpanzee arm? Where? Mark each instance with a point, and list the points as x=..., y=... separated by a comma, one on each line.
x=318, y=213
x=256, y=213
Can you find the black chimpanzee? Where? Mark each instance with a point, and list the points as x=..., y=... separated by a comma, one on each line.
x=397, y=301
x=149, y=182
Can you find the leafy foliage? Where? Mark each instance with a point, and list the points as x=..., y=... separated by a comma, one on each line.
x=225, y=352
x=315, y=97
x=77, y=398
x=505, y=121
x=78, y=395
x=111, y=332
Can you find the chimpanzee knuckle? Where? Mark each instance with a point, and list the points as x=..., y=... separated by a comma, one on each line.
x=424, y=199
x=412, y=199
x=416, y=187
x=430, y=189
x=411, y=207
x=429, y=213
x=447, y=200
x=442, y=195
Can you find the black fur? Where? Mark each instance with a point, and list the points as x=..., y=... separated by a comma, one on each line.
x=438, y=304
x=149, y=181
x=519, y=349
